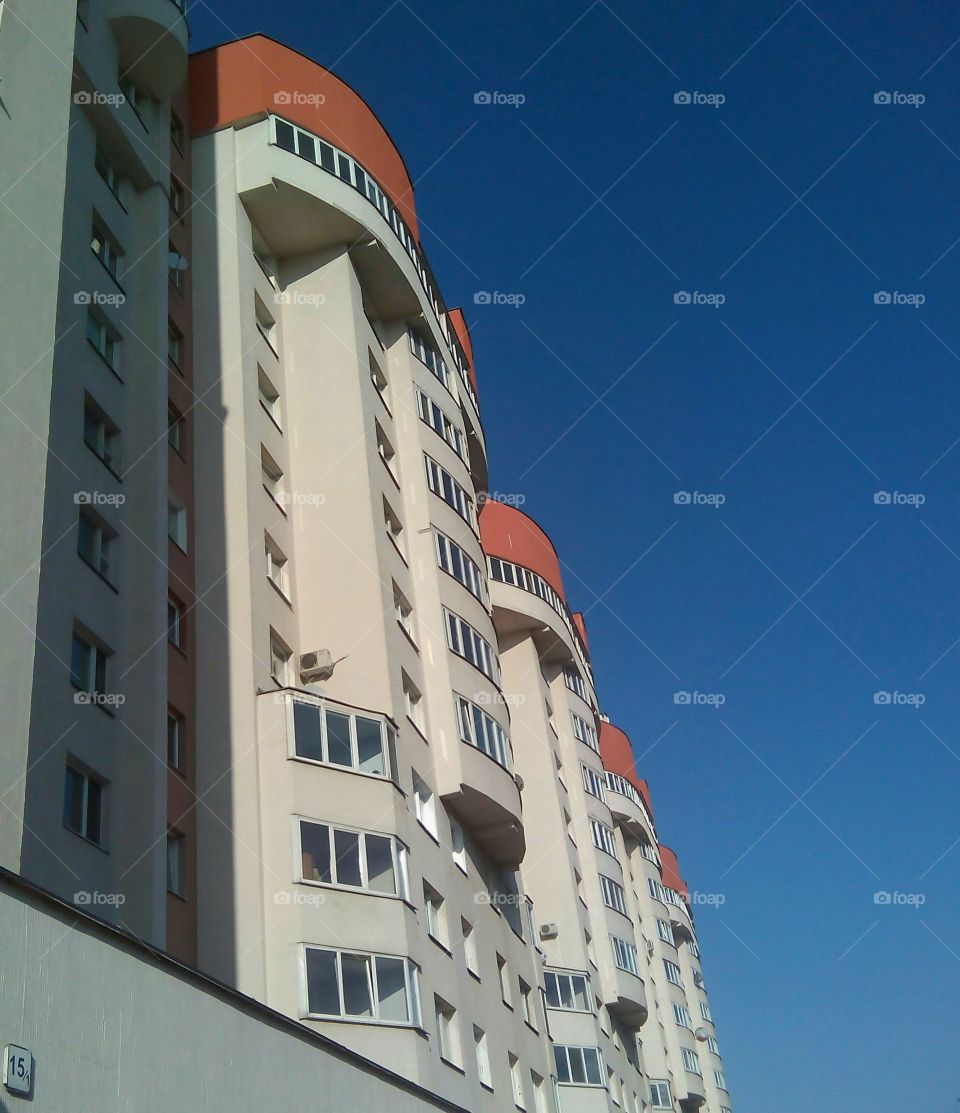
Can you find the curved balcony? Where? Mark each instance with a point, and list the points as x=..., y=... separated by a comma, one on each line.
x=486, y=797
x=628, y=808
x=152, y=40
x=628, y=1002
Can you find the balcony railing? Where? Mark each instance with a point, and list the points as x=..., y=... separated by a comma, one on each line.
x=298, y=141
x=620, y=785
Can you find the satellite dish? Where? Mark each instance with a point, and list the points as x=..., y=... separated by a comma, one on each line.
x=702, y=1035
x=177, y=262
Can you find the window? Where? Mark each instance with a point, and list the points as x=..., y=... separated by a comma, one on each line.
x=353, y=859
x=566, y=991
x=83, y=804
x=269, y=396
x=354, y=986
x=175, y=739
x=657, y=891
x=442, y=484
x=574, y=681
x=266, y=325
x=96, y=543
x=585, y=732
x=425, y=806
x=104, y=246
x=624, y=955
x=612, y=1087
x=712, y=1045
x=100, y=434
x=135, y=98
x=516, y=1080
x=175, y=863
x=592, y=781
x=272, y=477
x=469, y=948
x=378, y=379
x=175, y=622
x=177, y=523
x=665, y=931
x=338, y=737
x=103, y=338
x=603, y=837
x=176, y=131
x=431, y=414
x=176, y=266
x=434, y=915
x=463, y=640
x=448, y=1045
x=613, y=895
x=174, y=345
x=404, y=613
x=277, y=566
x=176, y=197
x=280, y=660
x=673, y=972
x=690, y=1060
x=682, y=1017
x=526, y=1004
x=455, y=562
x=385, y=451
x=578, y=1066
x=88, y=665
x=693, y=947
x=108, y=172
x=479, y=729
x=176, y=429
x=646, y=849
x=720, y=1079
x=428, y=355
x=393, y=526
x=483, y=1057
x=660, y=1095
x=705, y=1011
x=504, y=975
x=539, y=1092
x=458, y=849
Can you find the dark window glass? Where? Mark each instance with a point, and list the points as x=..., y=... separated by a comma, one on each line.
x=361, y=182
x=306, y=729
x=94, y=797
x=370, y=745
x=315, y=852
x=357, y=995
x=347, y=848
x=380, y=864
x=343, y=167
x=306, y=146
x=326, y=156
x=338, y=738
x=73, y=801
x=322, y=995
x=285, y=137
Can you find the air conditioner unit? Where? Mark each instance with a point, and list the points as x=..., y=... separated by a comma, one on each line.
x=317, y=665
x=549, y=931
x=519, y=781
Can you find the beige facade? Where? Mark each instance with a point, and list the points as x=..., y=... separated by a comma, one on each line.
x=368, y=788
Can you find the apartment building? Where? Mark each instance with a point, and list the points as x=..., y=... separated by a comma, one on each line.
x=288, y=698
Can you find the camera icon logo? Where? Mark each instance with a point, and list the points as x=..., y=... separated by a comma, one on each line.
x=82, y=297
x=281, y=898
x=282, y=97
x=82, y=897
x=881, y=898
x=681, y=98
x=881, y=98
x=882, y=297
x=482, y=97
x=681, y=297
x=681, y=697
x=881, y=698
x=681, y=498
x=82, y=98
x=881, y=498
x=482, y=297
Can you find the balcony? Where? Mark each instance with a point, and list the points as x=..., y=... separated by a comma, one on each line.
x=486, y=797
x=628, y=808
x=629, y=1004
x=152, y=40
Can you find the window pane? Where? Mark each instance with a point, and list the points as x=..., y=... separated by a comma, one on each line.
x=370, y=745
x=592, y=1064
x=73, y=800
x=322, y=995
x=338, y=738
x=577, y=1071
x=315, y=851
x=580, y=992
x=306, y=729
x=560, y=1055
x=357, y=995
x=80, y=662
x=566, y=992
x=550, y=984
x=94, y=794
x=392, y=989
x=285, y=136
x=380, y=864
x=347, y=849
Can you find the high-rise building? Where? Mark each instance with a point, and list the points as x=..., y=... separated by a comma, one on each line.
x=285, y=696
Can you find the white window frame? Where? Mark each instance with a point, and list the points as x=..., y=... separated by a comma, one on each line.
x=483, y=732
x=425, y=805
x=593, y=782
x=411, y=987
x=454, y=561
x=563, y=1051
x=603, y=838
x=691, y=1061
x=613, y=895
x=624, y=955
x=387, y=757
x=660, y=1094
x=471, y=646
x=398, y=857
x=571, y=978
x=585, y=732
x=673, y=973
x=433, y=416
x=454, y=494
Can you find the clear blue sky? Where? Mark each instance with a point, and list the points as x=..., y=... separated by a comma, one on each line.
x=823, y=997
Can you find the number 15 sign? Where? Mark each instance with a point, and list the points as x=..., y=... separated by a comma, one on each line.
x=17, y=1069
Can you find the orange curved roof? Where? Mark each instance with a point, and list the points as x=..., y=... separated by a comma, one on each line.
x=581, y=626
x=670, y=871
x=462, y=330
x=510, y=534
x=249, y=77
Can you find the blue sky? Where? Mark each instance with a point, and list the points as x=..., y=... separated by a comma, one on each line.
x=797, y=399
